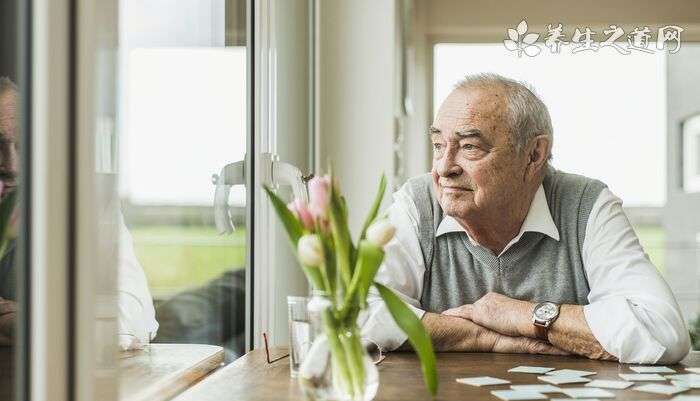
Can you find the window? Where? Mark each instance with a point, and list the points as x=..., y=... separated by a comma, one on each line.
x=608, y=112
x=182, y=117
x=691, y=154
x=602, y=105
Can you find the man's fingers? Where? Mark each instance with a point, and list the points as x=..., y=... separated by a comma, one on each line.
x=524, y=345
x=547, y=349
x=463, y=311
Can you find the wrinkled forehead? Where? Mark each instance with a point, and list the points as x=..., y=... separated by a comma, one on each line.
x=8, y=112
x=481, y=108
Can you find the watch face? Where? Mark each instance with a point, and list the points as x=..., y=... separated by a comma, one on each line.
x=546, y=311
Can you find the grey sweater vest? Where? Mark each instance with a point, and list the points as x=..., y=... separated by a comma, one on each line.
x=537, y=268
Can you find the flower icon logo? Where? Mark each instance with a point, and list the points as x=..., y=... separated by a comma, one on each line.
x=521, y=41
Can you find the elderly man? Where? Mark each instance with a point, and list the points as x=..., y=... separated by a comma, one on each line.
x=497, y=251
x=136, y=316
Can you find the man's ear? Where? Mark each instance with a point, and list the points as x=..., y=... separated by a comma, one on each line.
x=537, y=153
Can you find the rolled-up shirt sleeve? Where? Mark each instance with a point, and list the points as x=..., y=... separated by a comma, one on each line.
x=632, y=311
x=402, y=271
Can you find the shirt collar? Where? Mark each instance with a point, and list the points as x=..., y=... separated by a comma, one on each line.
x=538, y=219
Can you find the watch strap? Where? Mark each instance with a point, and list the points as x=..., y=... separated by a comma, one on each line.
x=541, y=332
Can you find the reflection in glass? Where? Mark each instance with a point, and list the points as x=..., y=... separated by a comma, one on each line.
x=10, y=128
x=182, y=117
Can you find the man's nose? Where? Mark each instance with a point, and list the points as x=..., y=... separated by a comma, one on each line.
x=447, y=165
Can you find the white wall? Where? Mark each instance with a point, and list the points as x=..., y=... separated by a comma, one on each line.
x=356, y=96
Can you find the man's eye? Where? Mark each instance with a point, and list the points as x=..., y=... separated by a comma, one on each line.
x=469, y=146
x=437, y=146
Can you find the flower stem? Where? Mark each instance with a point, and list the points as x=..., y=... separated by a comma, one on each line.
x=338, y=354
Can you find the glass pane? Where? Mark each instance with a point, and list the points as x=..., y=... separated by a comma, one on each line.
x=181, y=120
x=11, y=278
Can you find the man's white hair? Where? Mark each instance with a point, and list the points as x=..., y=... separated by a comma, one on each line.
x=527, y=115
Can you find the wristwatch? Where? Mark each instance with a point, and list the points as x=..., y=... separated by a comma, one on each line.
x=543, y=316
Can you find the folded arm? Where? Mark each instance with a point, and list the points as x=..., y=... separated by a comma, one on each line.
x=8, y=317
x=451, y=333
x=632, y=315
x=632, y=311
x=403, y=270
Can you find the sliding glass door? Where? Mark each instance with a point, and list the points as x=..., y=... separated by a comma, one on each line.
x=156, y=125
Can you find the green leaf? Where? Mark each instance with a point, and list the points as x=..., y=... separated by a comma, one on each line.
x=341, y=235
x=375, y=207
x=369, y=258
x=7, y=206
x=329, y=268
x=291, y=224
x=417, y=336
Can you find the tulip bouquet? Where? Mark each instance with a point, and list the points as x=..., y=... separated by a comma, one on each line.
x=344, y=272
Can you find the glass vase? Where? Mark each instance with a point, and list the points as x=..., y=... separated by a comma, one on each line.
x=337, y=367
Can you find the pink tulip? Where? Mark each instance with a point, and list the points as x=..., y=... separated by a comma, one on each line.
x=302, y=213
x=319, y=196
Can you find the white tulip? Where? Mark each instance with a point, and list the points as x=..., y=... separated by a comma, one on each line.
x=380, y=232
x=310, y=250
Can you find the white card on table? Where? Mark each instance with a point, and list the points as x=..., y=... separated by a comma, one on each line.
x=482, y=381
x=694, y=370
x=652, y=369
x=641, y=377
x=616, y=384
x=692, y=377
x=515, y=395
x=578, y=399
x=683, y=397
x=683, y=383
x=587, y=392
x=538, y=388
x=661, y=389
x=570, y=372
x=530, y=369
x=562, y=379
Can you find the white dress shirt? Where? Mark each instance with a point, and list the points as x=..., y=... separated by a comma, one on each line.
x=136, y=317
x=631, y=312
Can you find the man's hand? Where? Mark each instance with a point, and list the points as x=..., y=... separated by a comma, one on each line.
x=455, y=334
x=513, y=318
x=499, y=313
x=8, y=315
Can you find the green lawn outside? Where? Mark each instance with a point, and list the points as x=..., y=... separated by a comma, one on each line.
x=176, y=258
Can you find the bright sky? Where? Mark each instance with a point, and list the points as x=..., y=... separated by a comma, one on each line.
x=184, y=118
x=608, y=110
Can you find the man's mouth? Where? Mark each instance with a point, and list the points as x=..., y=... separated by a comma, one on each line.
x=451, y=188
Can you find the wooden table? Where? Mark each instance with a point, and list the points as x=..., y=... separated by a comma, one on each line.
x=251, y=378
x=156, y=373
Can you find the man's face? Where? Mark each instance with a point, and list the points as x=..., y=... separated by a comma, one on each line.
x=476, y=170
x=8, y=139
